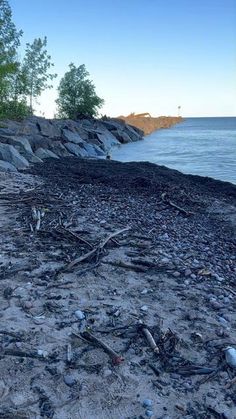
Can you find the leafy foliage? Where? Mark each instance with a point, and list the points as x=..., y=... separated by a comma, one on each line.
x=77, y=94
x=35, y=76
x=13, y=109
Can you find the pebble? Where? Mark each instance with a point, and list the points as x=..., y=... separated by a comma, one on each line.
x=107, y=372
x=69, y=380
x=144, y=291
x=165, y=236
x=144, y=308
x=187, y=272
x=28, y=305
x=216, y=305
x=165, y=260
x=176, y=274
x=42, y=352
x=147, y=403
x=223, y=321
x=149, y=413
x=230, y=356
x=79, y=314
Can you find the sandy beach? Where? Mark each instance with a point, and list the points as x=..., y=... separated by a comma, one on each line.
x=121, y=247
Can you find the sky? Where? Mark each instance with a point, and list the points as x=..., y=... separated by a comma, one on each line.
x=142, y=55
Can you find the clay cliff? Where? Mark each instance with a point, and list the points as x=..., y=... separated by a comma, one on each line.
x=148, y=124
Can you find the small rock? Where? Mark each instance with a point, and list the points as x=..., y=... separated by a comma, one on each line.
x=216, y=305
x=42, y=352
x=176, y=274
x=149, y=413
x=147, y=403
x=69, y=380
x=223, y=321
x=230, y=356
x=107, y=372
x=165, y=236
x=28, y=305
x=165, y=260
x=187, y=272
x=144, y=291
x=144, y=308
x=79, y=314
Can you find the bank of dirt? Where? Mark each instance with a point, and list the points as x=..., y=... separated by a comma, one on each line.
x=172, y=270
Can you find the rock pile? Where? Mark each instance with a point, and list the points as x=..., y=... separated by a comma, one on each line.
x=36, y=139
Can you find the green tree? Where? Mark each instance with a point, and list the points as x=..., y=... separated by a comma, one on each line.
x=35, y=74
x=76, y=94
x=9, y=42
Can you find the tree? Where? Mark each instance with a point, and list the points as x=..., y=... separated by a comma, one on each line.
x=35, y=69
x=77, y=94
x=9, y=42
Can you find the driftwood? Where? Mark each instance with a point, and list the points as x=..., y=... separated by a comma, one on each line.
x=64, y=231
x=96, y=251
x=122, y=264
x=172, y=204
x=150, y=340
x=89, y=338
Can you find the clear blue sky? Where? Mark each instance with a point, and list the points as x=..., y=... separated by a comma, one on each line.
x=143, y=56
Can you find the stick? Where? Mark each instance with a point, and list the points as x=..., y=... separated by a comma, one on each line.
x=164, y=199
x=69, y=353
x=116, y=358
x=150, y=340
x=37, y=228
x=122, y=264
x=74, y=235
x=96, y=249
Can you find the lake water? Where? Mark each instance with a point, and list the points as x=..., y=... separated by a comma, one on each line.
x=199, y=146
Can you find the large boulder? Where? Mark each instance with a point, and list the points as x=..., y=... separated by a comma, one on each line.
x=59, y=149
x=7, y=167
x=48, y=128
x=93, y=150
x=122, y=136
x=44, y=153
x=107, y=139
x=38, y=141
x=31, y=157
x=20, y=143
x=11, y=155
x=72, y=137
x=76, y=150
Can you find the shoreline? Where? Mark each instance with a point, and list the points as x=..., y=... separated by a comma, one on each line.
x=173, y=270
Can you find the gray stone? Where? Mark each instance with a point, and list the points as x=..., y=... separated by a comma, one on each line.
x=44, y=153
x=72, y=137
x=147, y=403
x=176, y=274
x=76, y=150
x=121, y=136
x=59, y=149
x=31, y=157
x=48, y=128
x=38, y=141
x=187, y=272
x=93, y=150
x=11, y=155
x=21, y=143
x=69, y=380
x=107, y=139
x=79, y=314
x=7, y=167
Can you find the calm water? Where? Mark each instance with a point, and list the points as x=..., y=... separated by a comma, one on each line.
x=202, y=146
